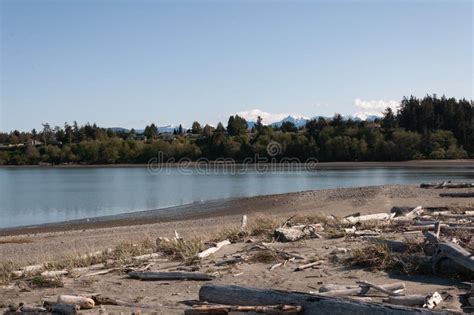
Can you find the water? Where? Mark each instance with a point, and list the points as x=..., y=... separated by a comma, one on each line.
x=34, y=195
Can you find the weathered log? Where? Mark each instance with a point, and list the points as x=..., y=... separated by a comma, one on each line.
x=312, y=304
x=379, y=288
x=243, y=222
x=32, y=309
x=407, y=300
x=81, y=301
x=449, y=250
x=297, y=232
x=54, y=273
x=410, y=215
x=214, y=249
x=400, y=211
x=103, y=300
x=174, y=275
x=360, y=290
x=100, y=272
x=64, y=309
x=229, y=261
x=370, y=217
x=267, y=309
x=447, y=185
x=310, y=265
x=458, y=195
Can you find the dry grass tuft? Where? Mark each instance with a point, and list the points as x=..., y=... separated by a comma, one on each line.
x=22, y=240
x=125, y=250
x=379, y=256
x=71, y=262
x=181, y=250
x=263, y=227
x=313, y=219
x=45, y=282
x=234, y=234
x=6, y=270
x=376, y=256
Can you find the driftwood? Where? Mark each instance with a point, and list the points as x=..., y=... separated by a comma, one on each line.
x=312, y=304
x=379, y=288
x=102, y=300
x=100, y=272
x=410, y=215
x=174, y=275
x=446, y=185
x=407, y=300
x=297, y=232
x=81, y=301
x=458, y=195
x=32, y=309
x=267, y=309
x=230, y=261
x=243, y=222
x=310, y=265
x=64, y=309
x=214, y=249
x=449, y=250
x=362, y=289
x=369, y=217
x=54, y=273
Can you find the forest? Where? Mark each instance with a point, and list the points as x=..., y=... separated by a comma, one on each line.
x=422, y=128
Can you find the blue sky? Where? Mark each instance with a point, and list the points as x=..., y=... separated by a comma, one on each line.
x=127, y=63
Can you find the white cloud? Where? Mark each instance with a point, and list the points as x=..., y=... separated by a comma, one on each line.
x=267, y=118
x=373, y=107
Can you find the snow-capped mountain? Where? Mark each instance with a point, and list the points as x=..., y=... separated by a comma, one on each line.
x=298, y=121
x=366, y=116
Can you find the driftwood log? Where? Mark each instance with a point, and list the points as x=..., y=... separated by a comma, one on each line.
x=81, y=301
x=446, y=185
x=174, y=275
x=312, y=304
x=64, y=309
x=310, y=265
x=369, y=217
x=213, y=249
x=458, y=195
x=407, y=300
x=297, y=232
x=224, y=309
x=459, y=258
x=103, y=300
x=362, y=289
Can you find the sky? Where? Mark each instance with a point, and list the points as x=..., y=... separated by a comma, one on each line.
x=128, y=63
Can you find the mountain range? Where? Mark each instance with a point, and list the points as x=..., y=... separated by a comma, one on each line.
x=298, y=121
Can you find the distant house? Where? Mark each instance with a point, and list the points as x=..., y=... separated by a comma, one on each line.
x=137, y=137
x=34, y=142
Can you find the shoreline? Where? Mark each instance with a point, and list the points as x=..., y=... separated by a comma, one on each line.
x=321, y=165
x=223, y=209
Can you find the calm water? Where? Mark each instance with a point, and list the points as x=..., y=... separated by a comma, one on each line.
x=33, y=196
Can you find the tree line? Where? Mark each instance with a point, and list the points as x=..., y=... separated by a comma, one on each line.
x=426, y=128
